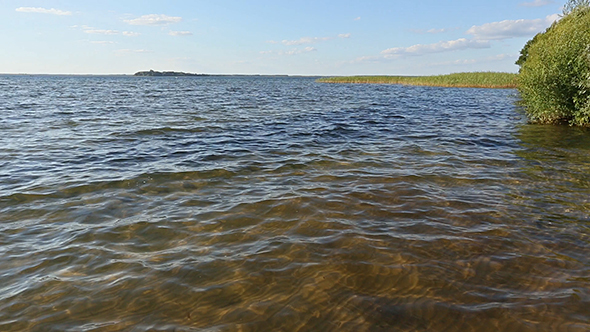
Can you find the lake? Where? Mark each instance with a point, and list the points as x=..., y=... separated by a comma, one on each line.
x=282, y=204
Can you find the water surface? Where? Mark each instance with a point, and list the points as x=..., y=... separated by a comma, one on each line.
x=281, y=204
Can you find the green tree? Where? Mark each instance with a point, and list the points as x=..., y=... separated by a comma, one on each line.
x=572, y=5
x=569, y=7
x=524, y=53
x=554, y=79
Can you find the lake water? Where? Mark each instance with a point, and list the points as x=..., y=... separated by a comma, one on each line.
x=281, y=204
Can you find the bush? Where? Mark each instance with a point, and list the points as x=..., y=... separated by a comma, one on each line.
x=554, y=80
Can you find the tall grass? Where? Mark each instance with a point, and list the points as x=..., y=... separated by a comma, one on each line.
x=462, y=80
x=554, y=80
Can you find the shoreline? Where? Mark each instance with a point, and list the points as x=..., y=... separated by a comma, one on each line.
x=485, y=80
x=430, y=85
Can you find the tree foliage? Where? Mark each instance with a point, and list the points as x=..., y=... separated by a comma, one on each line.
x=554, y=80
x=572, y=5
x=524, y=53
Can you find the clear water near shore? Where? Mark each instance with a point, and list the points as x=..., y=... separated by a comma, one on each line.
x=282, y=204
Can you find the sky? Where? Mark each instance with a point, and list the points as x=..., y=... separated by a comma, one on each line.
x=296, y=37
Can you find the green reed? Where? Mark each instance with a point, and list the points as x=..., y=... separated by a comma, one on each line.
x=464, y=80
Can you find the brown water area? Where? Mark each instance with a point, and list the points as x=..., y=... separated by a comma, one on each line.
x=282, y=204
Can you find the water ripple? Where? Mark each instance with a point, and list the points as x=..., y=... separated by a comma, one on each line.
x=257, y=204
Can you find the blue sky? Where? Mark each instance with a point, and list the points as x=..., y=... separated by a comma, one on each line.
x=343, y=37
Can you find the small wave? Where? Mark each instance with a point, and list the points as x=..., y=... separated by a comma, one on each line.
x=287, y=205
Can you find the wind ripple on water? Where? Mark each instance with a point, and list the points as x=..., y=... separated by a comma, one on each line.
x=257, y=204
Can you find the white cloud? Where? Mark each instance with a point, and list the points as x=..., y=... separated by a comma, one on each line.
x=432, y=31
x=94, y=31
x=101, y=32
x=294, y=51
x=357, y=19
x=423, y=49
x=297, y=51
x=537, y=3
x=501, y=57
x=305, y=40
x=131, y=33
x=368, y=59
x=461, y=62
x=102, y=42
x=436, y=31
x=308, y=40
x=154, y=19
x=180, y=33
x=305, y=50
x=41, y=10
x=511, y=28
x=443, y=46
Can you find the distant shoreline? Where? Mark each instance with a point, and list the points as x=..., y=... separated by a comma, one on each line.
x=165, y=73
x=488, y=80
x=133, y=75
x=153, y=73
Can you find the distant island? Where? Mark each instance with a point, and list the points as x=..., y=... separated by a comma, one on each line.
x=151, y=73
x=165, y=73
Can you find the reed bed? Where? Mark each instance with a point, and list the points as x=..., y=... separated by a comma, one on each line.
x=491, y=80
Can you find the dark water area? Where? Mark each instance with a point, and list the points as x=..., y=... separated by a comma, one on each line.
x=281, y=204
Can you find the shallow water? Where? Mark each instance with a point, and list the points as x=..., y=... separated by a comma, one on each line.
x=281, y=204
